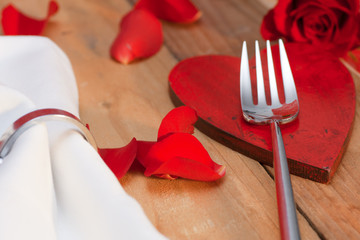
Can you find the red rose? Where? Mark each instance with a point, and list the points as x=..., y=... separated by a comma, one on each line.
x=330, y=24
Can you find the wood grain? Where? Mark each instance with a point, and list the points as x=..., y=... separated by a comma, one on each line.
x=121, y=102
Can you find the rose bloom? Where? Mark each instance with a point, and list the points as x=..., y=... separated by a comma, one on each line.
x=330, y=24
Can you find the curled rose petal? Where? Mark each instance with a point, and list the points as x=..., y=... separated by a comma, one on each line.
x=119, y=160
x=178, y=155
x=16, y=23
x=179, y=11
x=140, y=36
x=180, y=119
x=187, y=168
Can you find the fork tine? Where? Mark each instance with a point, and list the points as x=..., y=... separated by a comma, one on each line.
x=288, y=79
x=272, y=78
x=259, y=76
x=245, y=81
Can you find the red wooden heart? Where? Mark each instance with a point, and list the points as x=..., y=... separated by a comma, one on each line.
x=314, y=142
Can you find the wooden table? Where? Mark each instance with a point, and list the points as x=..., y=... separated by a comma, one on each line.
x=120, y=102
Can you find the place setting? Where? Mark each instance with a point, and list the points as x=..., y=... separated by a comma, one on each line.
x=135, y=132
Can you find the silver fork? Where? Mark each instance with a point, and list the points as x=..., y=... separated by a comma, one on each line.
x=274, y=114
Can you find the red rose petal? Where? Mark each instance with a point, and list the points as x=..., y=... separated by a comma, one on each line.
x=187, y=168
x=180, y=119
x=143, y=149
x=268, y=28
x=119, y=160
x=177, y=153
x=16, y=23
x=281, y=12
x=140, y=36
x=179, y=11
x=180, y=155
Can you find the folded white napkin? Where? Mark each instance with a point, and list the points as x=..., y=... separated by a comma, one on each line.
x=53, y=184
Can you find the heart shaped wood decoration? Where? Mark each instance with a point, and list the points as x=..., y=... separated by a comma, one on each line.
x=314, y=142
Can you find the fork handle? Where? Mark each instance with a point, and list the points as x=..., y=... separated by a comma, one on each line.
x=285, y=200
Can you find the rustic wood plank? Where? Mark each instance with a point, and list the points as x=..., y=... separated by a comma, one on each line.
x=120, y=102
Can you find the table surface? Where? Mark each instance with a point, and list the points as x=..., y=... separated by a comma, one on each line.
x=125, y=101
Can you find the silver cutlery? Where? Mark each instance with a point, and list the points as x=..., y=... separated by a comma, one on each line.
x=273, y=114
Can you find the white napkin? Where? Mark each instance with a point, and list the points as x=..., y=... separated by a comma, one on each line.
x=53, y=184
